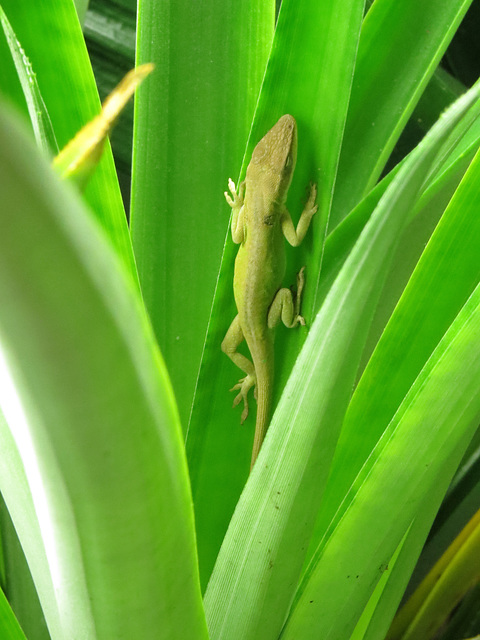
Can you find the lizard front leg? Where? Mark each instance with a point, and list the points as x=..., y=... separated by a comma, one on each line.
x=295, y=236
x=284, y=308
x=233, y=338
x=238, y=230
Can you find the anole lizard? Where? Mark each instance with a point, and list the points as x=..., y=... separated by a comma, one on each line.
x=259, y=222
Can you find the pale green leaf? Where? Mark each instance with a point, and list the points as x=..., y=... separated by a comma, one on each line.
x=99, y=438
x=430, y=431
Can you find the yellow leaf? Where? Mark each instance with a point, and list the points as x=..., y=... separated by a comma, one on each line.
x=81, y=155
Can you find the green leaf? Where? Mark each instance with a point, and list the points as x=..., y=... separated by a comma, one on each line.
x=428, y=210
x=453, y=575
x=99, y=438
x=19, y=587
x=393, y=67
x=443, y=280
x=437, y=191
x=308, y=75
x=433, y=425
x=64, y=74
x=458, y=506
x=9, y=627
x=259, y=563
x=191, y=122
x=462, y=54
x=18, y=499
x=364, y=423
x=400, y=568
x=440, y=92
x=37, y=110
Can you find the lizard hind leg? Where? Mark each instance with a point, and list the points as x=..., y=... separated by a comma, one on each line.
x=230, y=343
x=284, y=308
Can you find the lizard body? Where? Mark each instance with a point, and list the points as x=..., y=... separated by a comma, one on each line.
x=260, y=221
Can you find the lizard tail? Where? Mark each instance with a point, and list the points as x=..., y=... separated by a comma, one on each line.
x=264, y=373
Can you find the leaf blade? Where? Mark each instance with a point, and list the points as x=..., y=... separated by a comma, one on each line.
x=260, y=560
x=71, y=102
x=111, y=466
x=393, y=67
x=350, y=568
x=214, y=449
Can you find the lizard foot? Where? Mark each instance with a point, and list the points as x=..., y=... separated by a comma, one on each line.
x=300, y=284
x=237, y=201
x=244, y=385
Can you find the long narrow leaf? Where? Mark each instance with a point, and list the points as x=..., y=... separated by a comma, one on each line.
x=79, y=159
x=9, y=627
x=37, y=110
x=100, y=440
x=437, y=192
x=393, y=67
x=18, y=499
x=433, y=425
x=443, y=280
x=60, y=61
x=309, y=75
x=457, y=571
x=191, y=121
x=19, y=586
x=260, y=560
x=398, y=574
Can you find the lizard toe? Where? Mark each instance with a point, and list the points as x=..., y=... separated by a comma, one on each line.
x=236, y=401
x=244, y=413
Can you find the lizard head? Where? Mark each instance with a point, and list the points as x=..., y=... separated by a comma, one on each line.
x=274, y=157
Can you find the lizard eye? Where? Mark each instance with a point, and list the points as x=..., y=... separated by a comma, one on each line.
x=288, y=161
